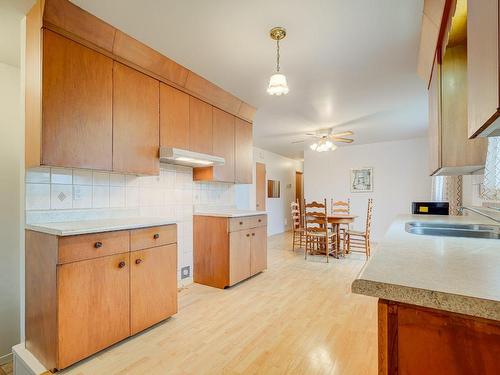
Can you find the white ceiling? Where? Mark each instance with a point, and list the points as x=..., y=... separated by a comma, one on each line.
x=350, y=64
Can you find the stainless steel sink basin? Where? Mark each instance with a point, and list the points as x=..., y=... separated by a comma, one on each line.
x=454, y=230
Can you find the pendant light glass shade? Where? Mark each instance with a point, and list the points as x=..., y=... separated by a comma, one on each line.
x=277, y=85
x=323, y=145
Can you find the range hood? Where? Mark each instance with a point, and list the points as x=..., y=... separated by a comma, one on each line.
x=188, y=158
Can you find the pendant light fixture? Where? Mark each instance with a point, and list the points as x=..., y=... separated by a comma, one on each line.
x=277, y=82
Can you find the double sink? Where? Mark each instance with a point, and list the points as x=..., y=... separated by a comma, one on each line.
x=453, y=230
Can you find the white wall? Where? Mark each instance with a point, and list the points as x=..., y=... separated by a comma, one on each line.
x=400, y=171
x=11, y=150
x=278, y=209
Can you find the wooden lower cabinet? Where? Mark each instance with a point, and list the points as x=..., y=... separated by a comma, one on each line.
x=93, y=306
x=416, y=340
x=228, y=250
x=150, y=269
x=77, y=306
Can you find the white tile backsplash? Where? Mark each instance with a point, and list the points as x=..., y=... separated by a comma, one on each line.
x=82, y=176
x=100, y=178
x=61, y=197
x=96, y=194
x=61, y=175
x=37, y=196
x=100, y=196
x=82, y=196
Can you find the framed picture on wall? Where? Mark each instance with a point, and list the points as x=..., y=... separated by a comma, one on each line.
x=361, y=180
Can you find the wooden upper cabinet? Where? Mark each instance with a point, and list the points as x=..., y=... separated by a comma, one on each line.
x=200, y=126
x=153, y=286
x=135, y=121
x=77, y=92
x=174, y=118
x=435, y=118
x=243, y=152
x=483, y=67
x=223, y=146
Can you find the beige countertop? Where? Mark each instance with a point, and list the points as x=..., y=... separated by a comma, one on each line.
x=70, y=228
x=229, y=213
x=455, y=274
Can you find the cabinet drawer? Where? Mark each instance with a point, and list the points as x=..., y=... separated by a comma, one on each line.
x=152, y=237
x=89, y=246
x=240, y=223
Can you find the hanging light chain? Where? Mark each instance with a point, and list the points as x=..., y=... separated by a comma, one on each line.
x=277, y=55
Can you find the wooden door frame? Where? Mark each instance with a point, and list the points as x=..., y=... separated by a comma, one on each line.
x=264, y=187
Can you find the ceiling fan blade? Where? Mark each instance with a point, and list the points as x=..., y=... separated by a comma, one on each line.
x=344, y=140
x=342, y=134
x=312, y=134
x=298, y=141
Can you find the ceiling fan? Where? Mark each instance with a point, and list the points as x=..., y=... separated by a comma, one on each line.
x=325, y=140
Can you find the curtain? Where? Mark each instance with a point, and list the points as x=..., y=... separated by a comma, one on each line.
x=448, y=189
x=491, y=184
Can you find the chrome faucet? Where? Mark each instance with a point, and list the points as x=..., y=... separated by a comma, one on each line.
x=461, y=210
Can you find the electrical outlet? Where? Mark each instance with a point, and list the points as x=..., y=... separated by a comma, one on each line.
x=185, y=272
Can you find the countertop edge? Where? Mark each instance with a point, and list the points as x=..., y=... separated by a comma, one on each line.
x=455, y=303
x=221, y=214
x=109, y=228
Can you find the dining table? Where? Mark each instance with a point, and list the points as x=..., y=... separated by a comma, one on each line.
x=335, y=220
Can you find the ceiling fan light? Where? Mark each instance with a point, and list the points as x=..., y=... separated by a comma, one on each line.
x=277, y=85
x=314, y=146
x=329, y=144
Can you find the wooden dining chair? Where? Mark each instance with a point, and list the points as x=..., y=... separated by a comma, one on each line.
x=360, y=239
x=341, y=207
x=298, y=236
x=319, y=237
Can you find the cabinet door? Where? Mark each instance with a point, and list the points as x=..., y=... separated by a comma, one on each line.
x=200, y=126
x=435, y=119
x=223, y=145
x=174, y=117
x=259, y=250
x=456, y=149
x=153, y=286
x=136, y=128
x=243, y=152
x=77, y=92
x=93, y=299
x=482, y=64
x=239, y=256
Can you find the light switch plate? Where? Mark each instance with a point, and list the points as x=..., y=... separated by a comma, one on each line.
x=185, y=272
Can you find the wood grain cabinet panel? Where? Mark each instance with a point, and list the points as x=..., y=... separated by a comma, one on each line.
x=135, y=121
x=416, y=340
x=77, y=93
x=228, y=250
x=152, y=237
x=174, y=118
x=435, y=119
x=93, y=306
x=483, y=66
x=240, y=248
x=200, y=126
x=153, y=286
x=243, y=152
x=258, y=261
x=223, y=146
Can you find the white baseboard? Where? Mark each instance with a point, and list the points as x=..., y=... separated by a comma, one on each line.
x=25, y=363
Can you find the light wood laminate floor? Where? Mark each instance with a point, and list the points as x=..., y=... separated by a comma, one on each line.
x=298, y=317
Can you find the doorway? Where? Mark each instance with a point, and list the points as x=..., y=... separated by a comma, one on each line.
x=299, y=192
x=260, y=186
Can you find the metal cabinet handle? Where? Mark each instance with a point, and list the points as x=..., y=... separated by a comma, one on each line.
x=122, y=264
x=138, y=261
x=248, y=234
x=253, y=234
x=98, y=244
x=156, y=236
x=260, y=220
x=241, y=222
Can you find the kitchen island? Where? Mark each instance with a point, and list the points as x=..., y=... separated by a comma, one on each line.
x=439, y=300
